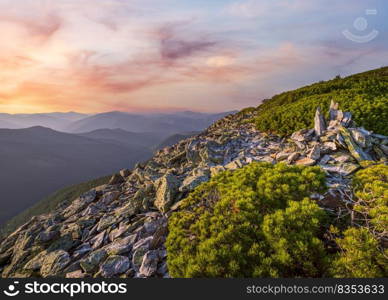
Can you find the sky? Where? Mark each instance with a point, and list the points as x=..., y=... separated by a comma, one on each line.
x=95, y=56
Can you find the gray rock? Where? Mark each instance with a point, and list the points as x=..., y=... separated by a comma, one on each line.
x=319, y=122
x=121, y=246
x=54, y=263
x=149, y=264
x=114, y=265
x=91, y=262
x=166, y=192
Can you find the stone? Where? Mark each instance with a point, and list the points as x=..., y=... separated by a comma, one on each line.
x=108, y=198
x=293, y=157
x=54, y=262
x=92, y=261
x=36, y=263
x=48, y=235
x=305, y=162
x=98, y=240
x=76, y=274
x=166, y=192
x=319, y=122
x=315, y=153
x=282, y=156
x=354, y=149
x=116, y=179
x=125, y=173
x=121, y=246
x=106, y=221
x=333, y=111
x=149, y=264
x=114, y=265
x=195, y=179
x=216, y=170
x=137, y=257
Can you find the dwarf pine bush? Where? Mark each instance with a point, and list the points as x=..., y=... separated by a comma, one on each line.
x=255, y=221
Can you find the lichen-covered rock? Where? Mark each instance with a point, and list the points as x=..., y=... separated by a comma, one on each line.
x=121, y=246
x=54, y=262
x=149, y=265
x=93, y=260
x=114, y=265
x=166, y=192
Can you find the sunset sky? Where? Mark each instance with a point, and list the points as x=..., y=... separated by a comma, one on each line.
x=169, y=55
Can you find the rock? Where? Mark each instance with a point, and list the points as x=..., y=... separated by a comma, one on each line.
x=108, y=198
x=106, y=221
x=116, y=179
x=354, y=149
x=303, y=135
x=137, y=257
x=98, y=240
x=76, y=274
x=121, y=246
x=48, y=235
x=293, y=157
x=149, y=264
x=315, y=153
x=345, y=169
x=197, y=177
x=361, y=137
x=125, y=173
x=282, y=156
x=347, y=119
x=319, y=123
x=216, y=170
x=36, y=263
x=166, y=192
x=54, y=263
x=80, y=203
x=234, y=165
x=92, y=261
x=333, y=111
x=114, y=265
x=305, y=162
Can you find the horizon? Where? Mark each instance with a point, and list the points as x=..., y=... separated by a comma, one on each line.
x=161, y=56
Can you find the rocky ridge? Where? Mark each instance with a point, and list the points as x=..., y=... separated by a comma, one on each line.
x=119, y=229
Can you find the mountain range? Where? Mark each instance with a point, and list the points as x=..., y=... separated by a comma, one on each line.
x=41, y=159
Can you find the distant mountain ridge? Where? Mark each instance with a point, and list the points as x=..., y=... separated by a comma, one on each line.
x=73, y=122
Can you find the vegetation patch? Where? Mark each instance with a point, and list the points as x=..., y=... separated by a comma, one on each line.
x=365, y=95
x=259, y=221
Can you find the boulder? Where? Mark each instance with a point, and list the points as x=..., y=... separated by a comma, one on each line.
x=305, y=162
x=121, y=246
x=116, y=179
x=114, y=265
x=166, y=192
x=92, y=261
x=197, y=177
x=149, y=264
x=352, y=146
x=54, y=262
x=319, y=122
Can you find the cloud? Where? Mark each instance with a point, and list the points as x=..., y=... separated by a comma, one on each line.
x=175, y=43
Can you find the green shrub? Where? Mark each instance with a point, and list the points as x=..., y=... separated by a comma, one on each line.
x=251, y=222
x=362, y=247
x=360, y=256
x=365, y=95
x=371, y=191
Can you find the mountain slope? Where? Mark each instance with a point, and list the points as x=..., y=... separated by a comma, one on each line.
x=364, y=94
x=180, y=212
x=123, y=137
x=42, y=160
